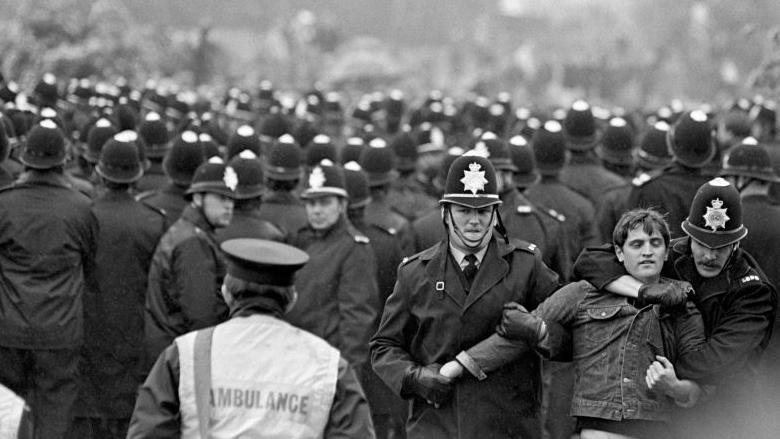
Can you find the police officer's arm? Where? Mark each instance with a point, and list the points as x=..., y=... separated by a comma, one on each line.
x=195, y=279
x=599, y=266
x=358, y=300
x=739, y=332
x=389, y=357
x=350, y=416
x=557, y=311
x=156, y=412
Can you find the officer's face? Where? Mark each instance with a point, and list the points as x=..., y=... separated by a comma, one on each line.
x=469, y=228
x=323, y=212
x=218, y=209
x=642, y=254
x=710, y=261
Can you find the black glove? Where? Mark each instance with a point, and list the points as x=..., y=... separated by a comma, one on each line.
x=427, y=383
x=519, y=324
x=666, y=294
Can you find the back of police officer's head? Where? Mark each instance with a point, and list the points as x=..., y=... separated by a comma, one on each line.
x=261, y=271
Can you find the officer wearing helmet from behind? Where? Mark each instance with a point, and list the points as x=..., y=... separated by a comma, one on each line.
x=450, y=296
x=187, y=267
x=737, y=302
x=253, y=375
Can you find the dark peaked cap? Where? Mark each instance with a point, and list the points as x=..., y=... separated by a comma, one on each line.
x=263, y=262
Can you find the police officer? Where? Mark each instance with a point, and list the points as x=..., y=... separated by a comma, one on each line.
x=114, y=306
x=737, y=302
x=246, y=221
x=692, y=145
x=49, y=236
x=387, y=410
x=283, y=171
x=651, y=157
x=253, y=375
x=377, y=161
x=339, y=295
x=584, y=172
x=549, y=150
x=447, y=298
x=188, y=266
x=748, y=167
x=156, y=142
x=179, y=164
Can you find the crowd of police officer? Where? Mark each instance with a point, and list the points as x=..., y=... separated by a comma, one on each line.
x=116, y=199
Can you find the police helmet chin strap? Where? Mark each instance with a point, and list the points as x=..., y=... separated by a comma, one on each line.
x=462, y=238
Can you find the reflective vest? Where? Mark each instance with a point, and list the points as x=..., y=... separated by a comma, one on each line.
x=11, y=410
x=269, y=379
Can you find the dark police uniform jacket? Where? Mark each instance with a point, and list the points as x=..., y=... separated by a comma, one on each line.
x=185, y=278
x=431, y=317
x=48, y=236
x=114, y=306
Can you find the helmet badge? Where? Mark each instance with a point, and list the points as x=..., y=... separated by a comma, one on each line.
x=230, y=178
x=716, y=215
x=317, y=178
x=474, y=179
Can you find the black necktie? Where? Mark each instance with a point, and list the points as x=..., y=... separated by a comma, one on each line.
x=470, y=270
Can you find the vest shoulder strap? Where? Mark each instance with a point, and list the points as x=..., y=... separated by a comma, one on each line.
x=202, y=371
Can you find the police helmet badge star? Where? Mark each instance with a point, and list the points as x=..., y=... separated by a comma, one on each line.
x=230, y=178
x=316, y=178
x=474, y=179
x=716, y=215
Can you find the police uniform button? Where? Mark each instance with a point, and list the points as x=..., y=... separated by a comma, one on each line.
x=603, y=313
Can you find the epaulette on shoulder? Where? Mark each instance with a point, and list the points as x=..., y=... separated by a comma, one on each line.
x=409, y=259
x=646, y=177
x=389, y=231
x=750, y=278
x=526, y=246
x=359, y=237
x=156, y=209
x=145, y=194
x=554, y=214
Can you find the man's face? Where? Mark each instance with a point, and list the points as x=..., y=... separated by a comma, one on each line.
x=470, y=229
x=218, y=209
x=710, y=261
x=643, y=255
x=323, y=212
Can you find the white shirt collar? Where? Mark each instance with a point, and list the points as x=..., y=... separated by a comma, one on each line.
x=459, y=255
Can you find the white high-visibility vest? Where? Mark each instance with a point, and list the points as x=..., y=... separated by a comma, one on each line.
x=11, y=410
x=269, y=379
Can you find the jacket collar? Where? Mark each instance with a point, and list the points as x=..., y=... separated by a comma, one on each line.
x=48, y=178
x=195, y=216
x=494, y=267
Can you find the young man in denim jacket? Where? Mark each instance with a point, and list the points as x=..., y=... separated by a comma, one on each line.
x=623, y=348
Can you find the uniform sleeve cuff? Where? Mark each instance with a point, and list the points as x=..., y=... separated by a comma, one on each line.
x=469, y=364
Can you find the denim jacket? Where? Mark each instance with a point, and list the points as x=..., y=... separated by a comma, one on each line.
x=613, y=344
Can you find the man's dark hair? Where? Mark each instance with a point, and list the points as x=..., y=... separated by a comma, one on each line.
x=241, y=288
x=649, y=219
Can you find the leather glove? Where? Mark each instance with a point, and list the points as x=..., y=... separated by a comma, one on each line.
x=427, y=383
x=519, y=324
x=665, y=294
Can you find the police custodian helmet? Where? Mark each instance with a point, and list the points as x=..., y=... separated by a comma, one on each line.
x=715, y=218
x=471, y=182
